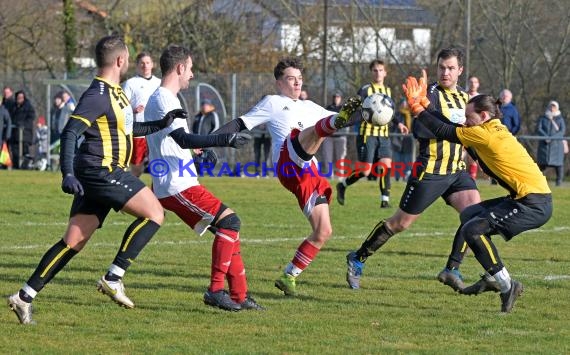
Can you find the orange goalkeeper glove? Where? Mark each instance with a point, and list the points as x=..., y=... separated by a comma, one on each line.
x=416, y=93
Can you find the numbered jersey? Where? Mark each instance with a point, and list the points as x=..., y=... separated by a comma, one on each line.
x=106, y=111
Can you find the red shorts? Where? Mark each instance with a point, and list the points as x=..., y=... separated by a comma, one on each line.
x=139, y=150
x=300, y=177
x=196, y=206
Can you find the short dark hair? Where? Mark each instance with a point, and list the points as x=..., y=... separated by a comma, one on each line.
x=376, y=62
x=172, y=56
x=449, y=53
x=107, y=50
x=486, y=103
x=287, y=63
x=141, y=55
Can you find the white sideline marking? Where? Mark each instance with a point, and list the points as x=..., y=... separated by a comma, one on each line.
x=556, y=277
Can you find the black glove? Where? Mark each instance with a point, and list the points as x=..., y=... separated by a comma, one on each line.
x=170, y=116
x=238, y=140
x=70, y=185
x=208, y=159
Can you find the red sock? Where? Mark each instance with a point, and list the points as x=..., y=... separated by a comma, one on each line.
x=222, y=250
x=236, y=275
x=473, y=170
x=305, y=254
x=324, y=127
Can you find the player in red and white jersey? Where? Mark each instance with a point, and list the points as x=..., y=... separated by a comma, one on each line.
x=297, y=128
x=138, y=89
x=176, y=185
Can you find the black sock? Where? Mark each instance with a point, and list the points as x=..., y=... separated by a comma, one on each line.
x=52, y=262
x=353, y=177
x=385, y=183
x=458, y=250
x=378, y=237
x=136, y=237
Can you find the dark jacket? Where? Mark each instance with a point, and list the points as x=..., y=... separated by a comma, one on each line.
x=5, y=125
x=23, y=117
x=550, y=151
x=204, y=124
x=511, y=118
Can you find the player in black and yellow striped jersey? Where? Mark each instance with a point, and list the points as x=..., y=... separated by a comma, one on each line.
x=441, y=174
x=373, y=142
x=502, y=157
x=97, y=175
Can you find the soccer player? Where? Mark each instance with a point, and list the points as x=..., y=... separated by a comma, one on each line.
x=138, y=89
x=98, y=178
x=179, y=191
x=372, y=142
x=441, y=172
x=297, y=128
x=501, y=156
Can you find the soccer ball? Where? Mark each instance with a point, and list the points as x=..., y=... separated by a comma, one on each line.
x=378, y=109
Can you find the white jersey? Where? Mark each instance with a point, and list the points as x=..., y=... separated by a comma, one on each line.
x=282, y=114
x=172, y=166
x=138, y=90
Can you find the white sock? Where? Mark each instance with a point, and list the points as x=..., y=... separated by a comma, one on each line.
x=30, y=291
x=293, y=270
x=115, y=270
x=504, y=279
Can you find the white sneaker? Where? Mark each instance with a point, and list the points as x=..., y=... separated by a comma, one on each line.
x=115, y=290
x=22, y=309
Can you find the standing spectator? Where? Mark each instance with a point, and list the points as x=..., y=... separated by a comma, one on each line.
x=138, y=89
x=304, y=95
x=59, y=116
x=261, y=139
x=373, y=142
x=403, y=146
x=207, y=120
x=5, y=126
x=511, y=117
x=473, y=89
x=333, y=148
x=68, y=100
x=41, y=143
x=23, y=118
x=551, y=151
x=8, y=100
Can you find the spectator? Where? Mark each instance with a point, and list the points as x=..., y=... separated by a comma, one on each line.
x=41, y=143
x=333, y=148
x=551, y=151
x=59, y=117
x=8, y=100
x=304, y=95
x=5, y=126
x=207, y=119
x=402, y=146
x=23, y=117
x=473, y=83
x=68, y=100
x=138, y=89
x=511, y=117
x=261, y=138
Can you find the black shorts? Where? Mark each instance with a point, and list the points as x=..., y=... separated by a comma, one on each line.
x=103, y=190
x=374, y=148
x=510, y=217
x=421, y=191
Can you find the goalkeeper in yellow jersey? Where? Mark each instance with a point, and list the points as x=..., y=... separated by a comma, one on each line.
x=502, y=157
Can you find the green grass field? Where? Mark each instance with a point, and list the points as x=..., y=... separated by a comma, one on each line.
x=401, y=307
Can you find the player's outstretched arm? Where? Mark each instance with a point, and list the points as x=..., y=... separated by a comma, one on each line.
x=192, y=141
x=232, y=126
x=146, y=128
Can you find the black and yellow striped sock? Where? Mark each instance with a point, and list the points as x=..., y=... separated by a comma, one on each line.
x=139, y=233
